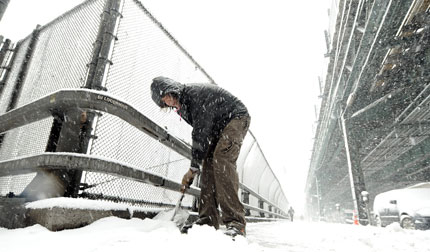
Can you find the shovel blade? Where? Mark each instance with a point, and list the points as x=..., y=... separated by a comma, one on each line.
x=177, y=214
x=165, y=215
x=181, y=217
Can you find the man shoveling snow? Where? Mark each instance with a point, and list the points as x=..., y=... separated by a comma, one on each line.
x=220, y=122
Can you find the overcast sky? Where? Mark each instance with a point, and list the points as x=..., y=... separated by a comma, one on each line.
x=269, y=53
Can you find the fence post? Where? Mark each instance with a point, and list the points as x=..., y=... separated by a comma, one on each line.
x=261, y=206
x=245, y=200
x=3, y=51
x=24, y=69
x=3, y=7
x=96, y=78
x=5, y=69
x=103, y=46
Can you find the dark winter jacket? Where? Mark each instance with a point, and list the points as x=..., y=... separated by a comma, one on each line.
x=206, y=107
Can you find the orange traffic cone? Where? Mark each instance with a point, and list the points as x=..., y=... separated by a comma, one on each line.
x=355, y=218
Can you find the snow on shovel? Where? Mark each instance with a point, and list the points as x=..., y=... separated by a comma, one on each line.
x=177, y=214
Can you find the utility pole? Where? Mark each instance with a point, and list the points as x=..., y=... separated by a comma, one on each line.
x=356, y=176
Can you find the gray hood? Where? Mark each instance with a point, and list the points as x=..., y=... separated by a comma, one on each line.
x=161, y=86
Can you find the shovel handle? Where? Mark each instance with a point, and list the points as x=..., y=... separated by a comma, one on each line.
x=178, y=204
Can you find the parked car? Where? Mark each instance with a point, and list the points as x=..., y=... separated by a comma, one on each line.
x=348, y=216
x=409, y=206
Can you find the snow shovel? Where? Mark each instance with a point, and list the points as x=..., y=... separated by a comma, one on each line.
x=178, y=215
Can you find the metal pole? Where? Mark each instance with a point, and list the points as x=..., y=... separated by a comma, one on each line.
x=4, y=49
x=261, y=206
x=4, y=73
x=3, y=7
x=96, y=79
x=356, y=176
x=339, y=219
x=24, y=69
x=103, y=46
x=245, y=199
x=318, y=198
x=270, y=210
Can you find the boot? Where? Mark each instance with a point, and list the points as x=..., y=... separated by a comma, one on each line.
x=234, y=230
x=200, y=221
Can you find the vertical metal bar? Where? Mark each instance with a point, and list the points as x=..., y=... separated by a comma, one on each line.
x=356, y=176
x=24, y=69
x=96, y=78
x=5, y=73
x=3, y=7
x=320, y=84
x=245, y=199
x=58, y=183
x=71, y=140
x=318, y=196
x=270, y=210
x=261, y=206
x=327, y=41
x=103, y=46
x=6, y=68
x=4, y=49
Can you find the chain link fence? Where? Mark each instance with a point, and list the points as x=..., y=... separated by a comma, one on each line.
x=61, y=56
x=56, y=60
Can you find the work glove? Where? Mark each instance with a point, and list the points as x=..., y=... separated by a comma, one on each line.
x=188, y=178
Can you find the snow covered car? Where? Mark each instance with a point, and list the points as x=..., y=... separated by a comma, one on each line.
x=348, y=216
x=409, y=206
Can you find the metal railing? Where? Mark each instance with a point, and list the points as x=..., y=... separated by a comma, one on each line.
x=86, y=97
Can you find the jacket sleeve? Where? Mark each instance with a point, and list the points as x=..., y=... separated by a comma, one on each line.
x=201, y=136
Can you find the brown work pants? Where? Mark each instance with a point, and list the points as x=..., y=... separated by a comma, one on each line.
x=219, y=179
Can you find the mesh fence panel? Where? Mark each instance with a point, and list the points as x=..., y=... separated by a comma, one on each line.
x=20, y=52
x=59, y=60
x=63, y=50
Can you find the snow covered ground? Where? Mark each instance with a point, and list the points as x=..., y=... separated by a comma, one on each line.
x=114, y=234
